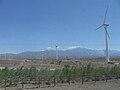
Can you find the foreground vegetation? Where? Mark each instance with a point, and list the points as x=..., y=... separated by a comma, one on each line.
x=68, y=74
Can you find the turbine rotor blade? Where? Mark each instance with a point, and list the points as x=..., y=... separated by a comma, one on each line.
x=105, y=15
x=99, y=27
x=107, y=33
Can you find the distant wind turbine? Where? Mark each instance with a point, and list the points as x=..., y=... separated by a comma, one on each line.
x=105, y=25
x=56, y=52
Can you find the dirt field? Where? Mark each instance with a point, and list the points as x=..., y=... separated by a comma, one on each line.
x=100, y=85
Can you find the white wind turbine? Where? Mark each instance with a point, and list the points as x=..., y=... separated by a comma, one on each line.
x=105, y=25
x=56, y=52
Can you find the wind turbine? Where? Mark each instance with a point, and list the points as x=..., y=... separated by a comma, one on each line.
x=56, y=52
x=105, y=25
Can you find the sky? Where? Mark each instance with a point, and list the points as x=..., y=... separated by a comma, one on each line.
x=35, y=25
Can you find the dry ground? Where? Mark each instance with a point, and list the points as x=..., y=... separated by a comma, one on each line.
x=100, y=85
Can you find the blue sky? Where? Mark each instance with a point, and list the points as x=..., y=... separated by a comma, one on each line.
x=34, y=25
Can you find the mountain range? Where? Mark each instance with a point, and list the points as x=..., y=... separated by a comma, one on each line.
x=75, y=52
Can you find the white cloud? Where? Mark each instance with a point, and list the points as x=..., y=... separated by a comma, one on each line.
x=73, y=47
x=52, y=48
x=48, y=48
x=67, y=48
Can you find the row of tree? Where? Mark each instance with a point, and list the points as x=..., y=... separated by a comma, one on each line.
x=66, y=74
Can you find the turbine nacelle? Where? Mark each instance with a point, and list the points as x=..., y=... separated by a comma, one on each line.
x=105, y=24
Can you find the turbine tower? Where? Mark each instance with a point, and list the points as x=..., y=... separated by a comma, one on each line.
x=105, y=25
x=56, y=57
